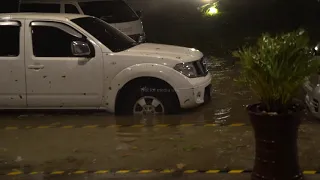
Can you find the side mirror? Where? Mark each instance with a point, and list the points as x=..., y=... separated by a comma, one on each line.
x=80, y=49
x=139, y=13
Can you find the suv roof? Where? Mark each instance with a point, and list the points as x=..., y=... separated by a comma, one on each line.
x=58, y=1
x=54, y=16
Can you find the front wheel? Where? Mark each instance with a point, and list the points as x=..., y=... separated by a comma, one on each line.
x=147, y=100
x=148, y=105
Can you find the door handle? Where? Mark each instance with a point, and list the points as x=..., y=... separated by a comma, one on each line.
x=36, y=67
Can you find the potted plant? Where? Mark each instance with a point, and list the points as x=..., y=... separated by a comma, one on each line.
x=275, y=70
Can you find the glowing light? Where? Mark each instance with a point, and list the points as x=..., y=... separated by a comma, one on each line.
x=212, y=11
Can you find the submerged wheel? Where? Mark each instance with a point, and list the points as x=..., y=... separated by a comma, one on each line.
x=145, y=98
x=148, y=105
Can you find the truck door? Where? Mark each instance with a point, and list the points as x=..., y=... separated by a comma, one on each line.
x=55, y=76
x=12, y=66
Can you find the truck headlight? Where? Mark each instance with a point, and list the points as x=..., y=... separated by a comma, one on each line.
x=186, y=69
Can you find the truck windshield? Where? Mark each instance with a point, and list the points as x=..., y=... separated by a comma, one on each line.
x=112, y=38
x=111, y=11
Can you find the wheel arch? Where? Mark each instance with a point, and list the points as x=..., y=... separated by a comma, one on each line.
x=175, y=79
x=133, y=83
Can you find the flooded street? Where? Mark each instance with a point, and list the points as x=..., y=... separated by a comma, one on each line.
x=214, y=140
x=182, y=24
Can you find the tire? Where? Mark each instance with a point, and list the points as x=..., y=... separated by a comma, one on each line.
x=169, y=103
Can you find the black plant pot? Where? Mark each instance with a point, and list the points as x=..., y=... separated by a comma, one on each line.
x=276, y=153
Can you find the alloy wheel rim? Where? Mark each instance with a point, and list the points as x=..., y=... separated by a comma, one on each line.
x=148, y=105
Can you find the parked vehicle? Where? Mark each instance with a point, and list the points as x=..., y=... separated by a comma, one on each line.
x=116, y=12
x=70, y=61
x=312, y=88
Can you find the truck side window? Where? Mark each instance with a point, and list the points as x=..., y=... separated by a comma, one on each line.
x=49, y=41
x=45, y=7
x=10, y=40
x=70, y=8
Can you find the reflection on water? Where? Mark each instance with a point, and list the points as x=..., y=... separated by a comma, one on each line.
x=148, y=120
x=222, y=115
x=227, y=104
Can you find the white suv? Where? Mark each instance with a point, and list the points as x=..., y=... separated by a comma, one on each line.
x=116, y=12
x=70, y=61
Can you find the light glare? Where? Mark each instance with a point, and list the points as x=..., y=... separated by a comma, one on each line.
x=212, y=11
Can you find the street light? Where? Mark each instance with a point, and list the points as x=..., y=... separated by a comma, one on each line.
x=210, y=9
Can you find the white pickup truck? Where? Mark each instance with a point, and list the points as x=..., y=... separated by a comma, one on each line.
x=72, y=61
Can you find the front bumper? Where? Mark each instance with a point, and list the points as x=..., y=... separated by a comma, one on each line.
x=312, y=98
x=200, y=92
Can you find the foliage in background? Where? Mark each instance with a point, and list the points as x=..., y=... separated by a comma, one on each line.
x=276, y=68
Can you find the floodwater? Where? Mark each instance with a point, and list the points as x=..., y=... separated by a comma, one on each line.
x=179, y=23
x=38, y=147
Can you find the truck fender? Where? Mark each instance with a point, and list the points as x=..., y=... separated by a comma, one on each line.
x=165, y=73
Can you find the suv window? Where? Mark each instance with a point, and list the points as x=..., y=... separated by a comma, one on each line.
x=45, y=8
x=10, y=40
x=51, y=42
x=109, y=36
x=70, y=8
x=110, y=11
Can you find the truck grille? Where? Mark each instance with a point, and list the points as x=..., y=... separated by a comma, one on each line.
x=315, y=104
x=201, y=67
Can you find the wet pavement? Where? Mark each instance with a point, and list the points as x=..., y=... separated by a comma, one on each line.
x=140, y=148
x=32, y=142
x=91, y=141
x=148, y=177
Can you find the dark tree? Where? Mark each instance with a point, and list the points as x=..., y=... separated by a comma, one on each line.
x=8, y=6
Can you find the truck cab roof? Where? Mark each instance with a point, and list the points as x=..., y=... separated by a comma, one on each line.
x=52, y=16
x=63, y=1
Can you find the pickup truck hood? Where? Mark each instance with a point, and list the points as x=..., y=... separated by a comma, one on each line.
x=178, y=53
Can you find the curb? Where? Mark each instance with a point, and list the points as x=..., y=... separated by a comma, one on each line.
x=118, y=126
x=145, y=171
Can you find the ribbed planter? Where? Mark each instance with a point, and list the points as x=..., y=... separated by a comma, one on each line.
x=276, y=150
